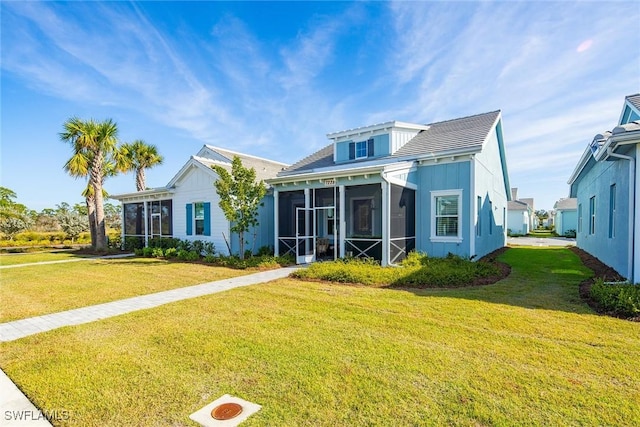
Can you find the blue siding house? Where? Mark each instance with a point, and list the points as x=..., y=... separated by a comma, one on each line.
x=565, y=212
x=605, y=183
x=383, y=190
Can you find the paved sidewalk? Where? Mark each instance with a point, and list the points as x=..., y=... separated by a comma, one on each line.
x=17, y=410
x=540, y=241
x=93, y=258
x=24, y=327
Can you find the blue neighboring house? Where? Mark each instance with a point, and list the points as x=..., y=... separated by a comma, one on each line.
x=383, y=190
x=605, y=182
x=565, y=214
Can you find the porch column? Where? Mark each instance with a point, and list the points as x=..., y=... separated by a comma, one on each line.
x=307, y=205
x=343, y=220
x=276, y=232
x=146, y=224
x=385, y=223
x=122, y=227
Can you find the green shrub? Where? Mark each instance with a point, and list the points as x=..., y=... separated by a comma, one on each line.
x=617, y=299
x=417, y=270
x=185, y=255
x=147, y=252
x=171, y=253
x=157, y=252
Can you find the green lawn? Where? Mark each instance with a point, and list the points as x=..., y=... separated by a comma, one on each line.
x=524, y=351
x=41, y=289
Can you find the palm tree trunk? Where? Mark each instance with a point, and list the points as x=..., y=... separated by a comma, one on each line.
x=91, y=213
x=96, y=182
x=140, y=179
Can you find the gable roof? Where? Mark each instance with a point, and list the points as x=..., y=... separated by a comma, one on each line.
x=634, y=100
x=566, y=204
x=517, y=205
x=605, y=142
x=264, y=168
x=466, y=134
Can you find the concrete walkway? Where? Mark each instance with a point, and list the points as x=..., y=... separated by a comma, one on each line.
x=17, y=410
x=92, y=258
x=540, y=241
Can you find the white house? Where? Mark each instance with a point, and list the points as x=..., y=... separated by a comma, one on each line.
x=188, y=206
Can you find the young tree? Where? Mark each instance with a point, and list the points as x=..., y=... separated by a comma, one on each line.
x=72, y=224
x=94, y=143
x=138, y=156
x=240, y=197
x=14, y=217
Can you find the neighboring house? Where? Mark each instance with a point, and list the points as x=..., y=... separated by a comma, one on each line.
x=383, y=190
x=565, y=216
x=188, y=206
x=605, y=183
x=521, y=218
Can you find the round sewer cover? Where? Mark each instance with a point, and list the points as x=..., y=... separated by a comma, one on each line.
x=226, y=411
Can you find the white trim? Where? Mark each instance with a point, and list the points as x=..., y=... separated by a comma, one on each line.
x=441, y=193
x=386, y=224
x=276, y=223
x=472, y=199
x=343, y=222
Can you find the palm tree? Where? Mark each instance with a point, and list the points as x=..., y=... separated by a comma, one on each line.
x=94, y=143
x=138, y=156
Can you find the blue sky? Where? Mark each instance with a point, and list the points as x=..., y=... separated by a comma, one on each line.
x=273, y=78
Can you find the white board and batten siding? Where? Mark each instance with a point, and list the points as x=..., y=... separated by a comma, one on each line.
x=197, y=186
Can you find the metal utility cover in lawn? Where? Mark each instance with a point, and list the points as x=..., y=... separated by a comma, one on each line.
x=227, y=411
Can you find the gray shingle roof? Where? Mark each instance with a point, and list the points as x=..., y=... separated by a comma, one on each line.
x=264, y=168
x=319, y=159
x=466, y=132
x=457, y=134
x=568, y=203
x=634, y=100
x=516, y=205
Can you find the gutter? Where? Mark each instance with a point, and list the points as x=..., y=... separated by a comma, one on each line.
x=632, y=182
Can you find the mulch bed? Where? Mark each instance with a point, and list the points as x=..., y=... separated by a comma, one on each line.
x=600, y=270
x=503, y=269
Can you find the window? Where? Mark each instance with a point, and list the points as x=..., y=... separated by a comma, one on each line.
x=580, y=218
x=362, y=217
x=479, y=218
x=199, y=219
x=612, y=211
x=592, y=215
x=198, y=215
x=446, y=208
x=361, y=149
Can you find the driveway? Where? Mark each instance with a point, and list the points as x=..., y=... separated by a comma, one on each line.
x=540, y=241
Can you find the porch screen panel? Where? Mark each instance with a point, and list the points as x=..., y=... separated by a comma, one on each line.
x=166, y=217
x=134, y=219
x=402, y=222
x=288, y=201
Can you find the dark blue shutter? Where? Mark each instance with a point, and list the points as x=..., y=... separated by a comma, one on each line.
x=370, y=148
x=189, y=219
x=207, y=219
x=352, y=150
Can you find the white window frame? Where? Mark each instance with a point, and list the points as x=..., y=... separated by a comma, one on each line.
x=442, y=193
x=366, y=149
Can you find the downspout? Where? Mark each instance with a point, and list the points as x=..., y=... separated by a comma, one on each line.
x=632, y=181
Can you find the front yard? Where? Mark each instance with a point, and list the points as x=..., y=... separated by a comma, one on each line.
x=523, y=351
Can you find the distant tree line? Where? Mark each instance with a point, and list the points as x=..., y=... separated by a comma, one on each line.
x=17, y=218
